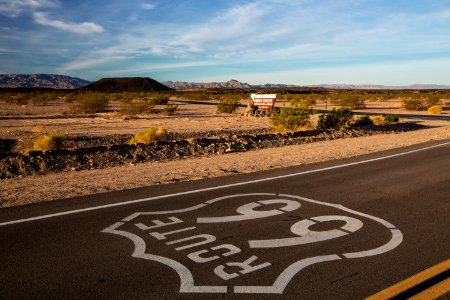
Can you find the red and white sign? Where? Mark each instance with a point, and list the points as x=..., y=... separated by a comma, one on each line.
x=266, y=101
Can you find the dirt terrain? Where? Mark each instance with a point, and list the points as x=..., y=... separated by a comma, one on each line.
x=192, y=120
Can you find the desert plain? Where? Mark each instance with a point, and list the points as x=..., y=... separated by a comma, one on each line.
x=24, y=122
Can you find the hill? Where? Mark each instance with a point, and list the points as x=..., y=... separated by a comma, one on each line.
x=126, y=84
x=41, y=81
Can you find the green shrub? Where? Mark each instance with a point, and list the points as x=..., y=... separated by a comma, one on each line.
x=90, y=103
x=150, y=135
x=391, y=118
x=228, y=106
x=48, y=142
x=335, y=119
x=135, y=107
x=290, y=119
x=352, y=101
x=363, y=121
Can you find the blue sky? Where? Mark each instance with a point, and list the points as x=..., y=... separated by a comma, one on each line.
x=394, y=42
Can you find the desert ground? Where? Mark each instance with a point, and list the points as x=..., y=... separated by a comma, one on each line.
x=28, y=121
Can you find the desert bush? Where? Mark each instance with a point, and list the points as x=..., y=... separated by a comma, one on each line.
x=135, y=107
x=363, y=121
x=20, y=99
x=160, y=99
x=48, y=142
x=420, y=102
x=435, y=110
x=169, y=109
x=290, y=118
x=90, y=103
x=150, y=135
x=228, y=105
x=413, y=104
x=382, y=120
x=335, y=119
x=391, y=118
x=352, y=101
x=303, y=102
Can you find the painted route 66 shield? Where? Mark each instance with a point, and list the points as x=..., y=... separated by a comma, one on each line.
x=252, y=243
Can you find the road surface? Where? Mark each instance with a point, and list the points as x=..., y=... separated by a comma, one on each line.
x=344, y=229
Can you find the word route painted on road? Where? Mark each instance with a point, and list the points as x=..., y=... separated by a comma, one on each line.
x=228, y=245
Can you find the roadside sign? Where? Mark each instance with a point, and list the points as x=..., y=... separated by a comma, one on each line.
x=264, y=101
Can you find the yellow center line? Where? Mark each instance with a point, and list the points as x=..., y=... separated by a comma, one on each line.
x=433, y=292
x=414, y=280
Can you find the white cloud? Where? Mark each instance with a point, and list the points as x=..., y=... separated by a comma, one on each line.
x=148, y=6
x=83, y=28
x=14, y=8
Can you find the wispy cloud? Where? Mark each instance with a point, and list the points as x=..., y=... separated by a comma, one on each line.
x=83, y=28
x=14, y=8
x=148, y=6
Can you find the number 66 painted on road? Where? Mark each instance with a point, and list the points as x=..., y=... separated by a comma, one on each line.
x=301, y=228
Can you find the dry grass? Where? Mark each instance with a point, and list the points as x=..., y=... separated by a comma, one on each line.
x=48, y=142
x=435, y=110
x=150, y=135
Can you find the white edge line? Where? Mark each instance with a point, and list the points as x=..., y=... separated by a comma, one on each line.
x=217, y=187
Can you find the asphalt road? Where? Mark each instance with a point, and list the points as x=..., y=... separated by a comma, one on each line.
x=338, y=230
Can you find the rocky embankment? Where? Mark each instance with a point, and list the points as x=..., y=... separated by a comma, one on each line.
x=84, y=153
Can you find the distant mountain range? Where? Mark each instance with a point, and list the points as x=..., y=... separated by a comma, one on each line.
x=67, y=82
x=235, y=84
x=41, y=81
x=230, y=84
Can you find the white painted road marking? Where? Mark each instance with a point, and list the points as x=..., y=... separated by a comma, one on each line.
x=248, y=212
x=307, y=236
x=225, y=268
x=217, y=187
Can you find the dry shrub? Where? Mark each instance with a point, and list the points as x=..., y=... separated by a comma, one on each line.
x=169, y=109
x=435, y=110
x=150, y=135
x=383, y=120
x=91, y=103
x=363, y=121
x=421, y=102
x=378, y=120
x=160, y=99
x=48, y=142
x=134, y=107
x=352, y=101
x=228, y=105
